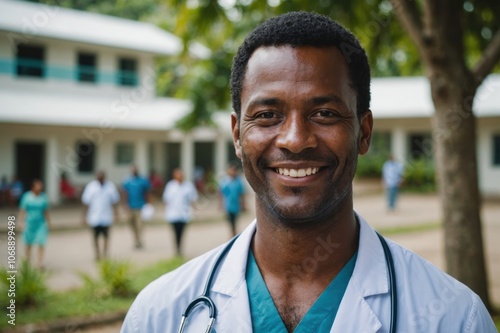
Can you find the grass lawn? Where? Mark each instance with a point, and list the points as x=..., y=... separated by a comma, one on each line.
x=77, y=303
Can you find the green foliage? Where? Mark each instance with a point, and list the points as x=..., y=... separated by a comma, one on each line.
x=86, y=302
x=114, y=280
x=370, y=166
x=31, y=286
x=420, y=175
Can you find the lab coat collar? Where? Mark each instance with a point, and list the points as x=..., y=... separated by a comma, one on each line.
x=232, y=272
x=370, y=271
x=369, y=278
x=230, y=287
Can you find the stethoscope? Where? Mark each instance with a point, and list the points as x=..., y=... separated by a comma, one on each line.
x=212, y=309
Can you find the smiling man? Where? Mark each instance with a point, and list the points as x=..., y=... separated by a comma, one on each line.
x=301, y=92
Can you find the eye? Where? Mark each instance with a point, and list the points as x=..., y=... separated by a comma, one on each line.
x=266, y=115
x=324, y=113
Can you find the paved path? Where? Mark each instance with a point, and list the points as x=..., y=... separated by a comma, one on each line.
x=69, y=251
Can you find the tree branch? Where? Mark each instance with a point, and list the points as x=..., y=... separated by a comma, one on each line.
x=490, y=58
x=409, y=15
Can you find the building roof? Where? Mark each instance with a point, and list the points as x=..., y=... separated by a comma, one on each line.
x=32, y=19
x=410, y=97
x=77, y=110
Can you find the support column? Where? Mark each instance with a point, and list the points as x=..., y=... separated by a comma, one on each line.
x=399, y=144
x=220, y=155
x=51, y=173
x=141, y=158
x=187, y=156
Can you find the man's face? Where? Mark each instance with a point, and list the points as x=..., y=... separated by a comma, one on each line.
x=298, y=135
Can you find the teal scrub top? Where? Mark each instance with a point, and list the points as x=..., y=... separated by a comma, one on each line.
x=319, y=318
x=35, y=230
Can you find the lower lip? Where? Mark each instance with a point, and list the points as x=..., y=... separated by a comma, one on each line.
x=297, y=181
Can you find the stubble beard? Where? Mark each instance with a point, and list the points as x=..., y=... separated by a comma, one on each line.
x=290, y=215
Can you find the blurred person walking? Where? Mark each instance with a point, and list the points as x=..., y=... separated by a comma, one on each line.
x=179, y=195
x=35, y=221
x=100, y=198
x=392, y=174
x=232, y=196
x=136, y=189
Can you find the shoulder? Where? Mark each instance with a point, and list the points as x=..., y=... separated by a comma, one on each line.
x=159, y=306
x=432, y=299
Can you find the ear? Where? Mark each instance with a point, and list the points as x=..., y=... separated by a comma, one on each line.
x=365, y=132
x=235, y=128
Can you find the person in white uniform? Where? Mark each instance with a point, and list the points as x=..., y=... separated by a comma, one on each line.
x=300, y=90
x=179, y=196
x=100, y=199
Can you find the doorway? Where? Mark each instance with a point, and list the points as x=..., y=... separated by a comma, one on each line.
x=30, y=162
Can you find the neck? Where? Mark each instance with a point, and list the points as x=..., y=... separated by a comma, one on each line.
x=308, y=252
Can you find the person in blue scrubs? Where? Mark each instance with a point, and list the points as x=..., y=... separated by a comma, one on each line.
x=136, y=189
x=232, y=195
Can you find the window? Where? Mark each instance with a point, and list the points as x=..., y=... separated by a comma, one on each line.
x=496, y=149
x=124, y=153
x=127, y=74
x=421, y=146
x=87, y=67
x=86, y=156
x=30, y=60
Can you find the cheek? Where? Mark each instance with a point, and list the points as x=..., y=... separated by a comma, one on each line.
x=254, y=141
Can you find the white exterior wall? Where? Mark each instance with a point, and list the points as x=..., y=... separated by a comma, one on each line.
x=65, y=54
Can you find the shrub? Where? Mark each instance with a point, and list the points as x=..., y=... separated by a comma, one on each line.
x=370, y=166
x=114, y=280
x=420, y=175
x=31, y=285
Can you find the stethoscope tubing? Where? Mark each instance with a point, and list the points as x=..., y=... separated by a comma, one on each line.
x=204, y=297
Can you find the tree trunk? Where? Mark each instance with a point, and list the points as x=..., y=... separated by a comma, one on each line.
x=455, y=137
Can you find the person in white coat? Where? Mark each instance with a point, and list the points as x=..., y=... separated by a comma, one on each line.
x=179, y=196
x=100, y=199
x=300, y=89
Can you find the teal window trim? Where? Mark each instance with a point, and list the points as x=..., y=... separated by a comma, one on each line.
x=27, y=65
x=8, y=66
x=87, y=74
x=127, y=78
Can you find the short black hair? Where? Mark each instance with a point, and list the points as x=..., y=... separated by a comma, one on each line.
x=304, y=29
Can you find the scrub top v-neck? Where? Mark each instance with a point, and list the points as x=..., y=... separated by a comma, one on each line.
x=318, y=319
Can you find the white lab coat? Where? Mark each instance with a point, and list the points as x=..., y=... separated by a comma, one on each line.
x=428, y=300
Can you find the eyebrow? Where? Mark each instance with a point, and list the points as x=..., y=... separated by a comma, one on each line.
x=317, y=100
x=271, y=101
x=330, y=98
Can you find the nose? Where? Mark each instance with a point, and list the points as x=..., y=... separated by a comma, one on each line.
x=295, y=134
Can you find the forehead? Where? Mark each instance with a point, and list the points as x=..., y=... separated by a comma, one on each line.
x=303, y=69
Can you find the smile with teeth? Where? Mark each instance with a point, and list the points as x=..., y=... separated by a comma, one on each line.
x=297, y=173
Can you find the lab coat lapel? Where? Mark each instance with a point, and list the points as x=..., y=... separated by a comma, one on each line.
x=369, y=278
x=230, y=287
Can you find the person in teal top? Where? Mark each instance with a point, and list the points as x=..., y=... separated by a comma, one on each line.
x=232, y=195
x=34, y=217
x=136, y=190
